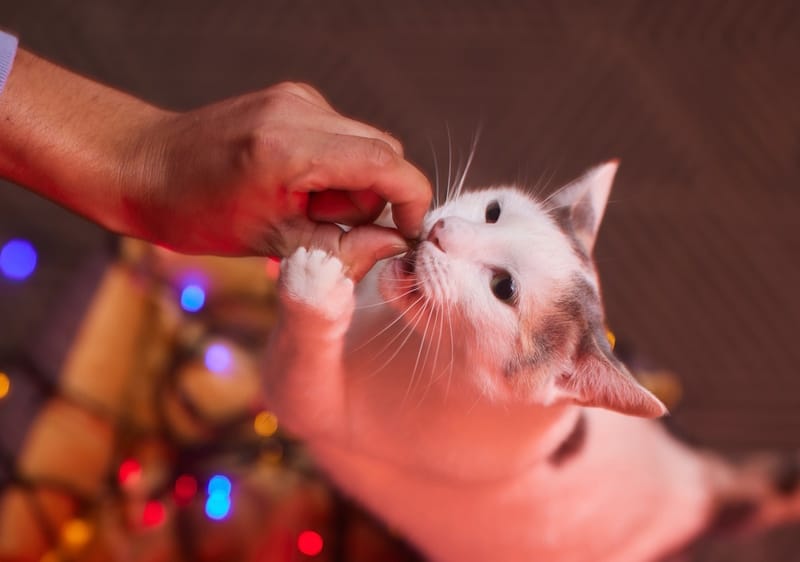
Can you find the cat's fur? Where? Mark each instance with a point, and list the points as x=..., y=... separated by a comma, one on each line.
x=488, y=419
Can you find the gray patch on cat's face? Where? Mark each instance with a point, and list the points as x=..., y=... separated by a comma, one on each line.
x=567, y=331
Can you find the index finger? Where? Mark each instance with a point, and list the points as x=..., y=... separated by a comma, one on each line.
x=353, y=163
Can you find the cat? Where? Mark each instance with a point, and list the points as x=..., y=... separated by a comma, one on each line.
x=466, y=392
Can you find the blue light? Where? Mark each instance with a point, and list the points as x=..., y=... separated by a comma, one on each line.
x=219, y=485
x=218, y=358
x=192, y=298
x=218, y=506
x=17, y=259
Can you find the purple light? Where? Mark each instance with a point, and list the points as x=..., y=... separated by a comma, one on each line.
x=218, y=358
x=17, y=259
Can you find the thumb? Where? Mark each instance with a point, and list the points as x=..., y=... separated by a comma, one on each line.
x=363, y=246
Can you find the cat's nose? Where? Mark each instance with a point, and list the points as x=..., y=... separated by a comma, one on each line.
x=434, y=235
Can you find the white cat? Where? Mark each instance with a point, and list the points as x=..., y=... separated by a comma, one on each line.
x=469, y=397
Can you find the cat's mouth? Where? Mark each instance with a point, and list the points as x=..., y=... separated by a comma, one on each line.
x=408, y=263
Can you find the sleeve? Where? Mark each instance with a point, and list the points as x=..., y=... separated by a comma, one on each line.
x=8, y=49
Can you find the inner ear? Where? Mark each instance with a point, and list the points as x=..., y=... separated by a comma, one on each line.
x=579, y=206
x=600, y=380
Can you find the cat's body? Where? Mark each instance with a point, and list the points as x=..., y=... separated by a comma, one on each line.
x=451, y=396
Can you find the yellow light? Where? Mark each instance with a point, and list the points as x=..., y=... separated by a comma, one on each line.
x=612, y=339
x=5, y=385
x=76, y=533
x=265, y=424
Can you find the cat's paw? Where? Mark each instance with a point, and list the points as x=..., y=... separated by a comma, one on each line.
x=316, y=280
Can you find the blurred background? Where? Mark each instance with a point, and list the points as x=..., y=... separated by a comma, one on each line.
x=130, y=426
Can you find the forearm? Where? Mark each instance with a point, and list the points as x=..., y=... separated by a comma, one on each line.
x=74, y=141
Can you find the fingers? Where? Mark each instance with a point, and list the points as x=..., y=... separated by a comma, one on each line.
x=345, y=207
x=358, y=249
x=352, y=163
x=332, y=121
x=363, y=246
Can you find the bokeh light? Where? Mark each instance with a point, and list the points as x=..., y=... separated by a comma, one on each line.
x=265, y=424
x=193, y=297
x=75, y=534
x=5, y=385
x=219, y=485
x=185, y=489
x=218, y=506
x=153, y=514
x=17, y=259
x=310, y=543
x=218, y=358
x=129, y=473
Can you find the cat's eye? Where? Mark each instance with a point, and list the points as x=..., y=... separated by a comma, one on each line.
x=503, y=287
x=492, y=212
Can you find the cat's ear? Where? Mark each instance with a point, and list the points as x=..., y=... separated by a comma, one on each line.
x=601, y=380
x=579, y=205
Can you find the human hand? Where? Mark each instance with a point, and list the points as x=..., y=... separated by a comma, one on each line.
x=259, y=173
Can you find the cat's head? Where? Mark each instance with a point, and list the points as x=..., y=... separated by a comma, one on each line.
x=511, y=281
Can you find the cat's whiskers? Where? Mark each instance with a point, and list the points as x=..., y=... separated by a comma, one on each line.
x=397, y=319
x=408, y=329
x=423, y=341
x=460, y=180
x=438, y=328
x=413, y=287
x=436, y=195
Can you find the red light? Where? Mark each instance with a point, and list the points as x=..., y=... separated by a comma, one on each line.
x=309, y=543
x=185, y=489
x=153, y=514
x=130, y=471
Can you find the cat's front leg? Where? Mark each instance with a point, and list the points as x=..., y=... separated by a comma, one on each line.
x=304, y=373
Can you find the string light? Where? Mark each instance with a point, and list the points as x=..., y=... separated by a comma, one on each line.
x=218, y=358
x=76, y=533
x=129, y=473
x=5, y=385
x=218, y=503
x=218, y=506
x=193, y=297
x=153, y=514
x=265, y=424
x=310, y=543
x=185, y=489
x=17, y=259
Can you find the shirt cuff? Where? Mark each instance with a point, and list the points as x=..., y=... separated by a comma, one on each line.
x=8, y=49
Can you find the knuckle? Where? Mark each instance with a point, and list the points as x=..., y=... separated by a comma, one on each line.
x=378, y=153
x=295, y=89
